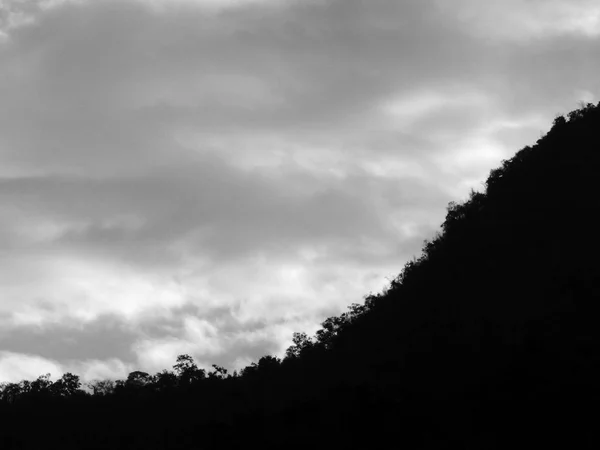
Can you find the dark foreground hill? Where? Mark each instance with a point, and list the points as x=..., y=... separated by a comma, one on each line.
x=490, y=339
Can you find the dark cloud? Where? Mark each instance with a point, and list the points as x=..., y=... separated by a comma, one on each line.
x=221, y=211
x=104, y=338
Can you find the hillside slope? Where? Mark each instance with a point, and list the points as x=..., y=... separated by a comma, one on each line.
x=492, y=334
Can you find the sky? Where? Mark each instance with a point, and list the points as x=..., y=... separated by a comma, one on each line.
x=209, y=176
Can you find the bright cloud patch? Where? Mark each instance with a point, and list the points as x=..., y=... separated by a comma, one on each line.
x=82, y=290
x=15, y=367
x=523, y=19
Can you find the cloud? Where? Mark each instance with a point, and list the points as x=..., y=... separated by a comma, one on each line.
x=104, y=338
x=16, y=367
x=527, y=19
x=209, y=177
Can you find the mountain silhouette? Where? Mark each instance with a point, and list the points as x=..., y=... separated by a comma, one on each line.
x=489, y=339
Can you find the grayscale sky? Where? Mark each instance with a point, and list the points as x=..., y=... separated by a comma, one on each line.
x=209, y=176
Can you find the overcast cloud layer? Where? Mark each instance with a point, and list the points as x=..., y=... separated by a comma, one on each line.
x=208, y=176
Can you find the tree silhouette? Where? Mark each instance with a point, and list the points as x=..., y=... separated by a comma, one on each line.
x=138, y=379
x=67, y=385
x=102, y=387
x=187, y=371
x=301, y=342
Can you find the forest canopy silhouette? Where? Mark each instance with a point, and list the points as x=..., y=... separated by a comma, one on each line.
x=488, y=339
